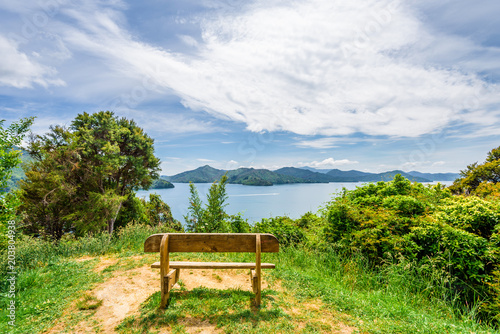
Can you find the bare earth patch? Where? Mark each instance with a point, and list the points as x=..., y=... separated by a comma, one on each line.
x=124, y=292
x=218, y=279
x=193, y=325
x=104, y=263
x=121, y=295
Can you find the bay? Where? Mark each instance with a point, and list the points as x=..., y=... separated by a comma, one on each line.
x=254, y=202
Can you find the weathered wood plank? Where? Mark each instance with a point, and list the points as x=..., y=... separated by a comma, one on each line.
x=214, y=265
x=171, y=279
x=164, y=270
x=258, y=269
x=253, y=279
x=212, y=242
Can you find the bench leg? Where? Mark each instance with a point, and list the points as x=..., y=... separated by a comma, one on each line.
x=253, y=279
x=257, y=292
x=167, y=283
x=258, y=270
x=177, y=274
x=165, y=291
x=164, y=271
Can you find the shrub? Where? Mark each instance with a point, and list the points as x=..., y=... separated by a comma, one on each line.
x=283, y=228
x=471, y=214
x=153, y=212
x=464, y=255
x=308, y=220
x=341, y=220
x=405, y=205
x=238, y=224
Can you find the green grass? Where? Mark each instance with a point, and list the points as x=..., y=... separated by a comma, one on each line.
x=230, y=309
x=309, y=292
x=88, y=302
x=380, y=302
x=44, y=293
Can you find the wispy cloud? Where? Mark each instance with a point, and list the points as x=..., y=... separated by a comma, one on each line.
x=354, y=76
x=328, y=163
x=19, y=70
x=314, y=67
x=321, y=143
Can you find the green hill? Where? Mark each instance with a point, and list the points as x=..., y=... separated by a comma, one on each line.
x=307, y=175
x=161, y=184
x=389, y=176
x=337, y=175
x=246, y=176
x=436, y=176
x=264, y=177
x=205, y=174
x=259, y=177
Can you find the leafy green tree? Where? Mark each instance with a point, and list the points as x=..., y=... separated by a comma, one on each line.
x=153, y=212
x=485, y=176
x=117, y=152
x=159, y=213
x=374, y=218
x=82, y=175
x=194, y=218
x=213, y=217
x=10, y=138
x=283, y=228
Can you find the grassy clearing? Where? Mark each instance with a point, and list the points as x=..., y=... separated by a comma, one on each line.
x=309, y=292
x=44, y=293
x=382, y=302
x=230, y=311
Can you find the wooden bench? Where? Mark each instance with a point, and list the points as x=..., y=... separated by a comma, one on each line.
x=167, y=243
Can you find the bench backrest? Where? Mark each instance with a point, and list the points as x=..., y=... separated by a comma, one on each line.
x=212, y=243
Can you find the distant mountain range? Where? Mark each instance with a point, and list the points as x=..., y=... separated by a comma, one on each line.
x=265, y=177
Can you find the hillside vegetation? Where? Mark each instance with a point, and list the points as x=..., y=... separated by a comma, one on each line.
x=264, y=177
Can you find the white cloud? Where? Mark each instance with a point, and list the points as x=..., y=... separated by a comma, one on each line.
x=313, y=67
x=19, y=71
x=188, y=40
x=321, y=143
x=327, y=163
x=160, y=121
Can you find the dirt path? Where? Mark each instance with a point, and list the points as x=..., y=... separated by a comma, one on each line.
x=121, y=295
x=125, y=290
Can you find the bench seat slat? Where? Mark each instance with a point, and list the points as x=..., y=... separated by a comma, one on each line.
x=213, y=265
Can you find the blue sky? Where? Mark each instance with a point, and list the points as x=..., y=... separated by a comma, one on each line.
x=367, y=85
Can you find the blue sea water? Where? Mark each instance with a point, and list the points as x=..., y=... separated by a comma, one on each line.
x=255, y=202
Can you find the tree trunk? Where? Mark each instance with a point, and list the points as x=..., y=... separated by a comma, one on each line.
x=111, y=224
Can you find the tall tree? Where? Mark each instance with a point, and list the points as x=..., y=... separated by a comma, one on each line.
x=480, y=176
x=194, y=218
x=215, y=214
x=213, y=217
x=117, y=152
x=10, y=139
x=81, y=175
